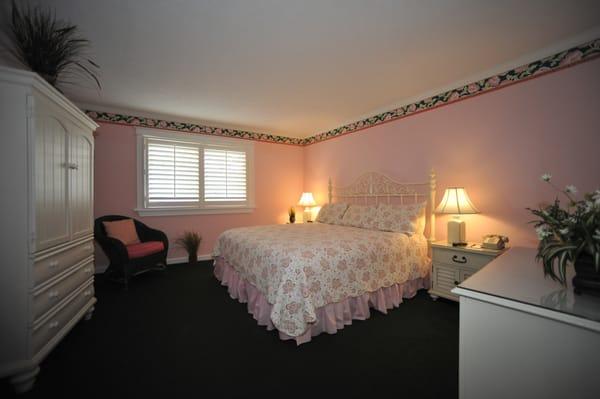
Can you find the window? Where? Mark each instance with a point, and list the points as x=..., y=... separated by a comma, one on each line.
x=189, y=174
x=172, y=173
x=224, y=175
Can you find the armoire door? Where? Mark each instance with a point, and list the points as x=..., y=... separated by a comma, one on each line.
x=51, y=198
x=80, y=185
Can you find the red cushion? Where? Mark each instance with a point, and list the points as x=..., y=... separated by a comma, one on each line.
x=144, y=249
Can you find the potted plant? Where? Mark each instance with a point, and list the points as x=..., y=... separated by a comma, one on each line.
x=48, y=46
x=190, y=241
x=570, y=235
x=292, y=214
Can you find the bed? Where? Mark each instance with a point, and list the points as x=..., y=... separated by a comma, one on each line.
x=310, y=278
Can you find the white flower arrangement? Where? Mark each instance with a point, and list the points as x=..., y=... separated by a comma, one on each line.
x=568, y=233
x=546, y=177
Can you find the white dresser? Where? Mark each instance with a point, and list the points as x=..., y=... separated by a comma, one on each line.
x=46, y=208
x=526, y=336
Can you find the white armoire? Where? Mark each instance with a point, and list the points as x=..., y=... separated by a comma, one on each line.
x=46, y=208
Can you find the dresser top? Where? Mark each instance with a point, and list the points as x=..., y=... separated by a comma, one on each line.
x=516, y=276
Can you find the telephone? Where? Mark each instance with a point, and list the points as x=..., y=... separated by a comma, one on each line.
x=493, y=241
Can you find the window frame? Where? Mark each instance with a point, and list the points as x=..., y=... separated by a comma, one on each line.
x=203, y=141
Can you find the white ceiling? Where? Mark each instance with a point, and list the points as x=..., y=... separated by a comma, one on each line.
x=301, y=67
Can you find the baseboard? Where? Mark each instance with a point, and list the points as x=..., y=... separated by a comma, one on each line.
x=101, y=267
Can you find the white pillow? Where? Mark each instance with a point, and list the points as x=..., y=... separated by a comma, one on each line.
x=363, y=216
x=332, y=213
x=408, y=218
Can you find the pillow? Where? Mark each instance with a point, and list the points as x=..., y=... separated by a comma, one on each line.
x=332, y=213
x=363, y=216
x=122, y=230
x=408, y=219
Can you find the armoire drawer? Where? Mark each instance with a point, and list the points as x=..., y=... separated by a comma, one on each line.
x=462, y=259
x=52, y=265
x=55, y=322
x=53, y=294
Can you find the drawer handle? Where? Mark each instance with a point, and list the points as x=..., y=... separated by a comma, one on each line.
x=457, y=260
x=53, y=325
x=53, y=294
x=87, y=293
x=53, y=264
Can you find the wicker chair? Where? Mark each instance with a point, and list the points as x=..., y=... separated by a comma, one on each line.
x=128, y=261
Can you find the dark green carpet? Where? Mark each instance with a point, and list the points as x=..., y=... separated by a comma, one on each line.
x=179, y=333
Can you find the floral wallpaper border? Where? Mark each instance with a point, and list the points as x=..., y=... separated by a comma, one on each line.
x=141, y=121
x=557, y=61
x=554, y=62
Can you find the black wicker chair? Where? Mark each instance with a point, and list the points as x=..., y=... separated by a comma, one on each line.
x=122, y=267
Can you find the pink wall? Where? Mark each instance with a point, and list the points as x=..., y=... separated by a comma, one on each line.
x=496, y=145
x=278, y=176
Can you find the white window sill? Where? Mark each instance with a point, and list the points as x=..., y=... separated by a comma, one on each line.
x=177, y=211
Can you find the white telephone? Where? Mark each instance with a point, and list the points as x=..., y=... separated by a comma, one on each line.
x=493, y=241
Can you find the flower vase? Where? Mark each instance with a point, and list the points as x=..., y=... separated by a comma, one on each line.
x=587, y=278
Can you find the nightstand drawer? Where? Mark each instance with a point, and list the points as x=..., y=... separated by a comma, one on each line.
x=465, y=273
x=445, y=278
x=460, y=259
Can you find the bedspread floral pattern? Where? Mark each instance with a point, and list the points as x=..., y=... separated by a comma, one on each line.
x=300, y=268
x=402, y=218
x=332, y=213
x=364, y=216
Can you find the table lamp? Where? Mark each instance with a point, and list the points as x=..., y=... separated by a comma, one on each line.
x=456, y=202
x=307, y=201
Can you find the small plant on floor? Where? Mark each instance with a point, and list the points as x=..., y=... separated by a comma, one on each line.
x=48, y=46
x=190, y=241
x=292, y=214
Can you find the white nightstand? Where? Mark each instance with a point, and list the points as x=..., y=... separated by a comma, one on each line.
x=452, y=265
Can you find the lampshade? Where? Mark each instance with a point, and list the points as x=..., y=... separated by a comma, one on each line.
x=456, y=201
x=307, y=200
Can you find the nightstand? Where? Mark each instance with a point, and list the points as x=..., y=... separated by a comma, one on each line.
x=452, y=265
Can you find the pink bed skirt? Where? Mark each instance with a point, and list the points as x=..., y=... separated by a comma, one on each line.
x=331, y=317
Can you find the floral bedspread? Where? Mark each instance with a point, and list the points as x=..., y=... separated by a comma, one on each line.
x=302, y=267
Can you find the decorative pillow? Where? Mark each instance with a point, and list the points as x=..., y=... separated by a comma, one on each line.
x=363, y=216
x=122, y=230
x=332, y=213
x=408, y=219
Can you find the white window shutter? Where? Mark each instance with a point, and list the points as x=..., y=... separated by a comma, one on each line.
x=173, y=172
x=225, y=178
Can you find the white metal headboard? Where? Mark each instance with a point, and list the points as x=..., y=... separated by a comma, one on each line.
x=376, y=187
